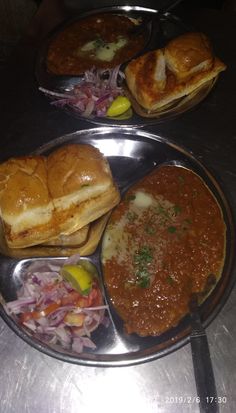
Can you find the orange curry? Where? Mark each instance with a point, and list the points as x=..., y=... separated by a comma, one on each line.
x=164, y=241
x=101, y=41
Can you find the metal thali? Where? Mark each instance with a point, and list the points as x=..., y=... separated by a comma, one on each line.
x=131, y=153
x=169, y=27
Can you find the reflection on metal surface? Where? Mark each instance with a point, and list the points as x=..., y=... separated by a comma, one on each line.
x=119, y=147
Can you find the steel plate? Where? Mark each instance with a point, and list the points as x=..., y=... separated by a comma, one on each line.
x=169, y=27
x=132, y=153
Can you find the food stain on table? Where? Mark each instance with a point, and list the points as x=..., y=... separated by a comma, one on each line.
x=164, y=241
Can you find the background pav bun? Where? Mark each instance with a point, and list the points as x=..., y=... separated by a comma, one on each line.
x=188, y=54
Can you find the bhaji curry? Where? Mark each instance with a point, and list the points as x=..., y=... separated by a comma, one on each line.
x=102, y=40
x=163, y=243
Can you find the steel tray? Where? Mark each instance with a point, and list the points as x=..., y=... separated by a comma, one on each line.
x=132, y=153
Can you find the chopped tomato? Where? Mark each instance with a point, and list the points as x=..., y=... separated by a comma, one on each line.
x=71, y=298
x=49, y=309
x=75, y=298
x=83, y=302
x=95, y=298
x=38, y=314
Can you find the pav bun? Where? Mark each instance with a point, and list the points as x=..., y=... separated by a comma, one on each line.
x=43, y=198
x=189, y=54
x=160, y=77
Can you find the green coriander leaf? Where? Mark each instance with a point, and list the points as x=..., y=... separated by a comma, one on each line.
x=144, y=283
x=130, y=198
x=150, y=230
x=132, y=216
x=171, y=230
x=143, y=256
x=170, y=280
x=177, y=209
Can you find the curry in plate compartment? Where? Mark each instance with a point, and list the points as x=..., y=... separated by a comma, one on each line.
x=101, y=40
x=164, y=241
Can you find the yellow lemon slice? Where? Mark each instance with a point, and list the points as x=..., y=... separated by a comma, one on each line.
x=78, y=277
x=119, y=105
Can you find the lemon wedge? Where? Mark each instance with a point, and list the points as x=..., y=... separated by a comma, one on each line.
x=79, y=277
x=119, y=105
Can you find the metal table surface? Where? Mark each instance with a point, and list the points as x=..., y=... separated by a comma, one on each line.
x=33, y=382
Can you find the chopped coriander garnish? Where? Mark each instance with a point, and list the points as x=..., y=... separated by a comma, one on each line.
x=188, y=221
x=141, y=260
x=177, y=209
x=143, y=256
x=186, y=224
x=132, y=216
x=170, y=279
x=162, y=211
x=99, y=42
x=143, y=277
x=142, y=273
x=130, y=198
x=144, y=282
x=172, y=230
x=150, y=230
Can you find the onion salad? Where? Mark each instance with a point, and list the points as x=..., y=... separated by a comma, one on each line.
x=93, y=95
x=53, y=311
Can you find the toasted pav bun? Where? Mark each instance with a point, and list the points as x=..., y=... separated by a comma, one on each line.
x=25, y=203
x=79, y=170
x=43, y=198
x=81, y=186
x=143, y=74
x=188, y=54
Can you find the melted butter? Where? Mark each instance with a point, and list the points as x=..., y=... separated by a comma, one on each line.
x=108, y=51
x=101, y=50
x=115, y=242
x=143, y=200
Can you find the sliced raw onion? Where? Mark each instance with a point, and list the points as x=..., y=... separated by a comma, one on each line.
x=38, y=307
x=93, y=95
